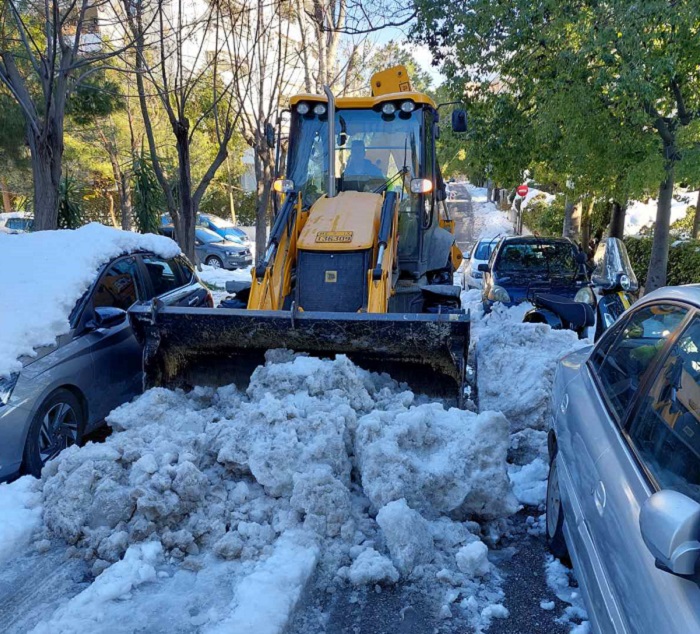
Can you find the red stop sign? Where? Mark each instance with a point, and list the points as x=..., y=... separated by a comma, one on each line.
x=522, y=190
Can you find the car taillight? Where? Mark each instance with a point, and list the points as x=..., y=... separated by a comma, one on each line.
x=209, y=300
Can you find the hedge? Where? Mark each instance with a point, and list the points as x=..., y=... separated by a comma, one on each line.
x=683, y=260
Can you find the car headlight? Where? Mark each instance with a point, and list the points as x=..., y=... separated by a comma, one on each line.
x=585, y=295
x=499, y=294
x=7, y=384
x=233, y=254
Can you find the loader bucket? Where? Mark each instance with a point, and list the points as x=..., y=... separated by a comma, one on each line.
x=184, y=347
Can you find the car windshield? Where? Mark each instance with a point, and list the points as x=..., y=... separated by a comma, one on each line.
x=483, y=250
x=208, y=237
x=220, y=223
x=540, y=258
x=370, y=148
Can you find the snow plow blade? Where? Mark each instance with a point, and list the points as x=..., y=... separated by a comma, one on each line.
x=185, y=347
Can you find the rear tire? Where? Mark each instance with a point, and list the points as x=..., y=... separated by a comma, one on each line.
x=58, y=423
x=215, y=262
x=554, y=525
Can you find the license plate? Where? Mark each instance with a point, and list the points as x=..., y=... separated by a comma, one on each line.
x=334, y=236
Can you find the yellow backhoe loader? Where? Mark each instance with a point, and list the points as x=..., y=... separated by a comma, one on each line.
x=359, y=261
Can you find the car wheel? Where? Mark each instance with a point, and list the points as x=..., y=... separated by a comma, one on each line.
x=214, y=262
x=554, y=525
x=57, y=424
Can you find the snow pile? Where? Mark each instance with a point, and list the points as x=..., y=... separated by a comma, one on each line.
x=559, y=580
x=643, y=214
x=20, y=515
x=536, y=195
x=259, y=488
x=490, y=220
x=217, y=277
x=42, y=294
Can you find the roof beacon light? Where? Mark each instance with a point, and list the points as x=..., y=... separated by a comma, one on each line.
x=408, y=106
x=388, y=108
x=303, y=108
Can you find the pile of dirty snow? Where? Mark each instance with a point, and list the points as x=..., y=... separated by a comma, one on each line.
x=237, y=499
x=57, y=267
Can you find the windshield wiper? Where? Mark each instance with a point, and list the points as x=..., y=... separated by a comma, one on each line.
x=390, y=181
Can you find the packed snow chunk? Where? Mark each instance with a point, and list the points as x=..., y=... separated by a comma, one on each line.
x=371, y=568
x=322, y=499
x=42, y=294
x=530, y=482
x=559, y=579
x=516, y=368
x=265, y=599
x=20, y=515
x=547, y=605
x=407, y=535
x=89, y=610
x=472, y=559
x=439, y=460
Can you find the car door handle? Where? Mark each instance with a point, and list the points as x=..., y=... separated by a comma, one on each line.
x=194, y=301
x=564, y=405
x=600, y=497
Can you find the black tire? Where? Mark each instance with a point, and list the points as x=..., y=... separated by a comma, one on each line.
x=214, y=261
x=58, y=423
x=554, y=524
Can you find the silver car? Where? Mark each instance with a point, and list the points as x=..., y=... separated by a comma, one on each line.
x=213, y=250
x=66, y=390
x=623, y=497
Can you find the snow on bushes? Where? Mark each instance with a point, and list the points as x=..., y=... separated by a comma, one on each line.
x=315, y=450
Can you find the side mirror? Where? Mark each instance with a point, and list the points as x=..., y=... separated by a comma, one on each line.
x=270, y=135
x=107, y=317
x=670, y=525
x=484, y=268
x=441, y=194
x=459, y=121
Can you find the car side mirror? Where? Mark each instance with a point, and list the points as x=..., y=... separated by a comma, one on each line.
x=484, y=268
x=441, y=194
x=459, y=121
x=107, y=317
x=670, y=525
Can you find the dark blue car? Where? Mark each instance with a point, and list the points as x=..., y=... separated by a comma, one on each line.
x=522, y=265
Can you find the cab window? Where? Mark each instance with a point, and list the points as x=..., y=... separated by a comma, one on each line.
x=117, y=287
x=666, y=430
x=637, y=345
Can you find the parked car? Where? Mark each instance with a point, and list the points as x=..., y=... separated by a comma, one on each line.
x=15, y=222
x=623, y=496
x=479, y=254
x=522, y=265
x=211, y=249
x=225, y=228
x=67, y=389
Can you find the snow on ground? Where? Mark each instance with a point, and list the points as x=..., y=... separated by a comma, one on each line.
x=643, y=214
x=20, y=510
x=492, y=221
x=41, y=294
x=319, y=468
x=559, y=580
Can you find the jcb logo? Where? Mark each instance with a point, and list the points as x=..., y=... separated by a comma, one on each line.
x=331, y=277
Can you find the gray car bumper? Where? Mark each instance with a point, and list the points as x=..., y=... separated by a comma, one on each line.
x=14, y=421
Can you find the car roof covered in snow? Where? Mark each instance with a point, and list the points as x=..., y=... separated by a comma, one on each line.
x=47, y=272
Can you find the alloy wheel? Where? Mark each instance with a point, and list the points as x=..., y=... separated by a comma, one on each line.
x=59, y=429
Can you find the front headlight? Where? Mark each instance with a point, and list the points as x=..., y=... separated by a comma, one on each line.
x=499, y=294
x=233, y=254
x=585, y=295
x=7, y=384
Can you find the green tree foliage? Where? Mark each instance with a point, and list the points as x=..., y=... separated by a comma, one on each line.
x=148, y=196
x=683, y=260
x=70, y=213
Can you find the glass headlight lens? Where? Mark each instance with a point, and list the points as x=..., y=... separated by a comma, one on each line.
x=303, y=108
x=319, y=109
x=585, y=295
x=625, y=282
x=499, y=294
x=408, y=106
x=388, y=108
x=7, y=384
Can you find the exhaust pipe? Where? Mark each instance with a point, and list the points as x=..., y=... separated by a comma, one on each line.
x=331, y=141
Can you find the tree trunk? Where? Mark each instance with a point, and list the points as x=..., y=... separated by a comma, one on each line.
x=231, y=202
x=112, y=216
x=586, y=209
x=6, y=202
x=125, y=202
x=185, y=219
x=46, y=158
x=617, y=220
x=658, y=264
x=263, y=177
x=489, y=190
x=567, y=230
x=696, y=220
